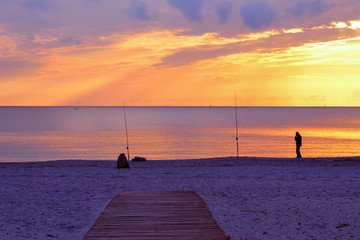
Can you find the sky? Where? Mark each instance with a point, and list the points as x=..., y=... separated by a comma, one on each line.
x=179, y=52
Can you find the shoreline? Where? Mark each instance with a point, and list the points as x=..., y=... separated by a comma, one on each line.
x=250, y=197
x=240, y=158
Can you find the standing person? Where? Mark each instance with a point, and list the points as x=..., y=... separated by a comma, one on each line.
x=298, y=140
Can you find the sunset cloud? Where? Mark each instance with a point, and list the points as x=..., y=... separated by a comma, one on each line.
x=190, y=8
x=223, y=10
x=179, y=52
x=34, y=5
x=138, y=9
x=257, y=14
x=11, y=68
x=310, y=8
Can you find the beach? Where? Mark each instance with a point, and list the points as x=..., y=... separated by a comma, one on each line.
x=250, y=198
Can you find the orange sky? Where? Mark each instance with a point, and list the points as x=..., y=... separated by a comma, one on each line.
x=173, y=53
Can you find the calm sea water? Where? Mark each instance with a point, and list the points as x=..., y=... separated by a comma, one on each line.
x=158, y=133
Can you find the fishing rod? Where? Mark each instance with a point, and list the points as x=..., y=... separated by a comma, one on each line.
x=237, y=132
x=126, y=132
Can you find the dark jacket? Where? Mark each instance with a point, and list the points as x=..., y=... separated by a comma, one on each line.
x=298, y=140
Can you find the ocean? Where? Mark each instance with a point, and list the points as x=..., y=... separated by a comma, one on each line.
x=166, y=133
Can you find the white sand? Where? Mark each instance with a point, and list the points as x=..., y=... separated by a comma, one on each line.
x=253, y=198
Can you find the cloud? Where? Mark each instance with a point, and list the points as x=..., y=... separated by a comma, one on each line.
x=8, y=46
x=190, y=8
x=95, y=1
x=138, y=10
x=312, y=9
x=190, y=55
x=36, y=5
x=257, y=14
x=12, y=67
x=267, y=42
x=223, y=11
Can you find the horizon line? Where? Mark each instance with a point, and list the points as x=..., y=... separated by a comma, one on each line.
x=207, y=106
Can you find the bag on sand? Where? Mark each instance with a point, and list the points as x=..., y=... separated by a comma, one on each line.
x=122, y=161
x=139, y=159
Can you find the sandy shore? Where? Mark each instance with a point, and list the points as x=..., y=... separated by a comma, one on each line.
x=253, y=198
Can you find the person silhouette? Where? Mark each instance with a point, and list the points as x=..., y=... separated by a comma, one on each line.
x=298, y=140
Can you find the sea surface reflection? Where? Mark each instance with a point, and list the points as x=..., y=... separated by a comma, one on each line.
x=158, y=133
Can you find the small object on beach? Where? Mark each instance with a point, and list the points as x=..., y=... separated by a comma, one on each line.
x=139, y=159
x=122, y=161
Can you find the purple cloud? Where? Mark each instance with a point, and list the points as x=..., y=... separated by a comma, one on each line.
x=12, y=67
x=36, y=5
x=189, y=55
x=95, y=1
x=190, y=8
x=223, y=11
x=138, y=10
x=312, y=9
x=257, y=14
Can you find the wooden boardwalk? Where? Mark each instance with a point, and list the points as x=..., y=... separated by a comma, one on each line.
x=156, y=215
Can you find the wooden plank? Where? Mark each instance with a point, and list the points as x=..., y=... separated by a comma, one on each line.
x=156, y=215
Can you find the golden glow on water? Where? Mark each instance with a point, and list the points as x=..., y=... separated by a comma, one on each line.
x=334, y=133
x=186, y=144
x=321, y=132
x=48, y=133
